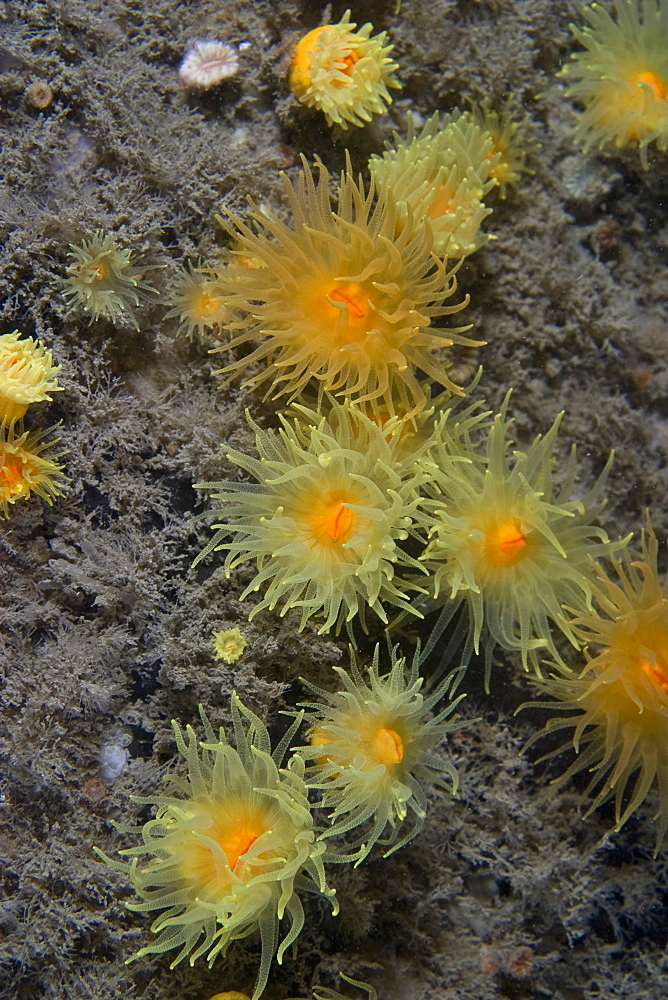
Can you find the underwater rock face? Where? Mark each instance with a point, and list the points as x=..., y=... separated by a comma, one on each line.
x=106, y=628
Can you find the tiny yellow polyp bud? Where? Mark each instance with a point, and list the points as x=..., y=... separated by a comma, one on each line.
x=388, y=747
x=506, y=544
x=228, y=645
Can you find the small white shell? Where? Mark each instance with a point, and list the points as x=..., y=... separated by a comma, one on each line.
x=113, y=759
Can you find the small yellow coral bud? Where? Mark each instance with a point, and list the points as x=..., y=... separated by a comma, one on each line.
x=39, y=94
x=228, y=645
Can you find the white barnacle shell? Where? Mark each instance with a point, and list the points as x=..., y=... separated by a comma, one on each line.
x=113, y=759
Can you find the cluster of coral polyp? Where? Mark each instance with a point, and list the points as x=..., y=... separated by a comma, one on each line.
x=234, y=844
x=377, y=494
x=27, y=458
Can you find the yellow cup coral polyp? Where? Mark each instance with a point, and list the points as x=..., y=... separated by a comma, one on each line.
x=229, y=645
x=197, y=301
x=370, y=749
x=334, y=495
x=103, y=279
x=344, y=73
x=441, y=175
x=618, y=704
x=621, y=77
x=341, y=298
x=27, y=375
x=28, y=465
x=508, y=150
x=228, y=848
x=507, y=544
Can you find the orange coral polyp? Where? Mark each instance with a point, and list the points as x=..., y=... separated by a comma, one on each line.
x=344, y=73
x=506, y=544
x=27, y=375
x=441, y=202
x=27, y=465
x=231, y=847
x=300, y=69
x=334, y=497
x=236, y=830
x=11, y=481
x=632, y=101
x=649, y=647
x=617, y=705
x=379, y=733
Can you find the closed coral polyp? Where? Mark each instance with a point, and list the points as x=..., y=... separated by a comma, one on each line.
x=343, y=73
x=621, y=77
